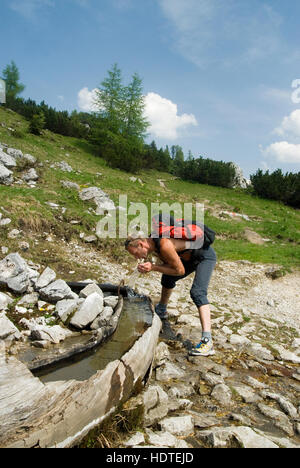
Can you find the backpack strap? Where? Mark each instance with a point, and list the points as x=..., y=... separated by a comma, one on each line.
x=156, y=241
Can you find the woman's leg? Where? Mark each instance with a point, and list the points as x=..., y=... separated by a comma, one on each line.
x=199, y=295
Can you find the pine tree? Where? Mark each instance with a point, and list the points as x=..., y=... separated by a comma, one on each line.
x=135, y=124
x=110, y=100
x=12, y=76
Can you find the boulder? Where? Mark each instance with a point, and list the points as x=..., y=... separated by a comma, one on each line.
x=16, y=274
x=47, y=277
x=239, y=179
x=103, y=319
x=155, y=402
x=169, y=371
x=30, y=175
x=70, y=185
x=5, y=175
x=88, y=311
x=7, y=160
x=111, y=301
x=222, y=394
x=29, y=299
x=65, y=308
x=279, y=419
x=5, y=300
x=57, y=291
x=246, y=437
x=90, y=289
x=54, y=334
x=15, y=153
x=8, y=329
x=179, y=425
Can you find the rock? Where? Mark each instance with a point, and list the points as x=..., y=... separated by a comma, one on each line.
x=63, y=166
x=162, y=354
x=57, y=291
x=101, y=199
x=222, y=394
x=239, y=179
x=279, y=419
x=285, y=404
x=103, y=319
x=70, y=185
x=134, y=440
x=111, y=301
x=24, y=246
x=17, y=154
x=162, y=439
x=246, y=393
x=88, y=311
x=13, y=234
x=90, y=289
x=90, y=239
x=5, y=175
x=30, y=158
x=169, y=371
x=239, y=340
x=54, y=334
x=21, y=310
x=189, y=320
x=179, y=425
x=5, y=301
x=47, y=277
x=244, y=436
x=211, y=378
x=7, y=329
x=254, y=383
x=286, y=355
x=15, y=273
x=204, y=420
x=7, y=160
x=253, y=237
x=155, y=402
x=65, y=308
x=5, y=222
x=258, y=351
x=30, y=175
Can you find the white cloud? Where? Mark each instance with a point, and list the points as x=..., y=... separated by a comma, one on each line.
x=290, y=125
x=29, y=8
x=164, y=119
x=224, y=32
x=284, y=152
x=86, y=100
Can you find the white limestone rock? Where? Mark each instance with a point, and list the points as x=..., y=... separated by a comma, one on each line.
x=57, y=291
x=88, y=311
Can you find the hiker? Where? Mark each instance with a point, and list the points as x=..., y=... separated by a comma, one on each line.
x=179, y=261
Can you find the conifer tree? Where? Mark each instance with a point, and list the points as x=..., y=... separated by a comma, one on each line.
x=11, y=76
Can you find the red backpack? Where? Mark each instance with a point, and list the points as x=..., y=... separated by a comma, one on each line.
x=168, y=227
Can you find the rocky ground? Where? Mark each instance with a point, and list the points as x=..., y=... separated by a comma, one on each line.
x=247, y=395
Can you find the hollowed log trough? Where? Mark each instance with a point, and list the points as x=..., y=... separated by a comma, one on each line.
x=60, y=413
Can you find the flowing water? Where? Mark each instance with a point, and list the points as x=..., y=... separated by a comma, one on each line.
x=135, y=318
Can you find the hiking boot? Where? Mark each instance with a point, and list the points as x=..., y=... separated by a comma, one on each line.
x=161, y=311
x=204, y=348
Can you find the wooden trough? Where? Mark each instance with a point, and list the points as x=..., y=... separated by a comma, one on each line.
x=36, y=412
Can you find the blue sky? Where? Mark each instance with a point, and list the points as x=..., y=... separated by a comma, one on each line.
x=221, y=78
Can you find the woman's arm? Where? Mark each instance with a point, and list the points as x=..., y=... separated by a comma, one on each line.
x=172, y=266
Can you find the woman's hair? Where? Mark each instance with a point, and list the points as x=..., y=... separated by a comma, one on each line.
x=133, y=241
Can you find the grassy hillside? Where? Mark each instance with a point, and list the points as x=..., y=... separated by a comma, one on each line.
x=29, y=212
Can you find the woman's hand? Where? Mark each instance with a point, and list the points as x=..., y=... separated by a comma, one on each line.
x=145, y=267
